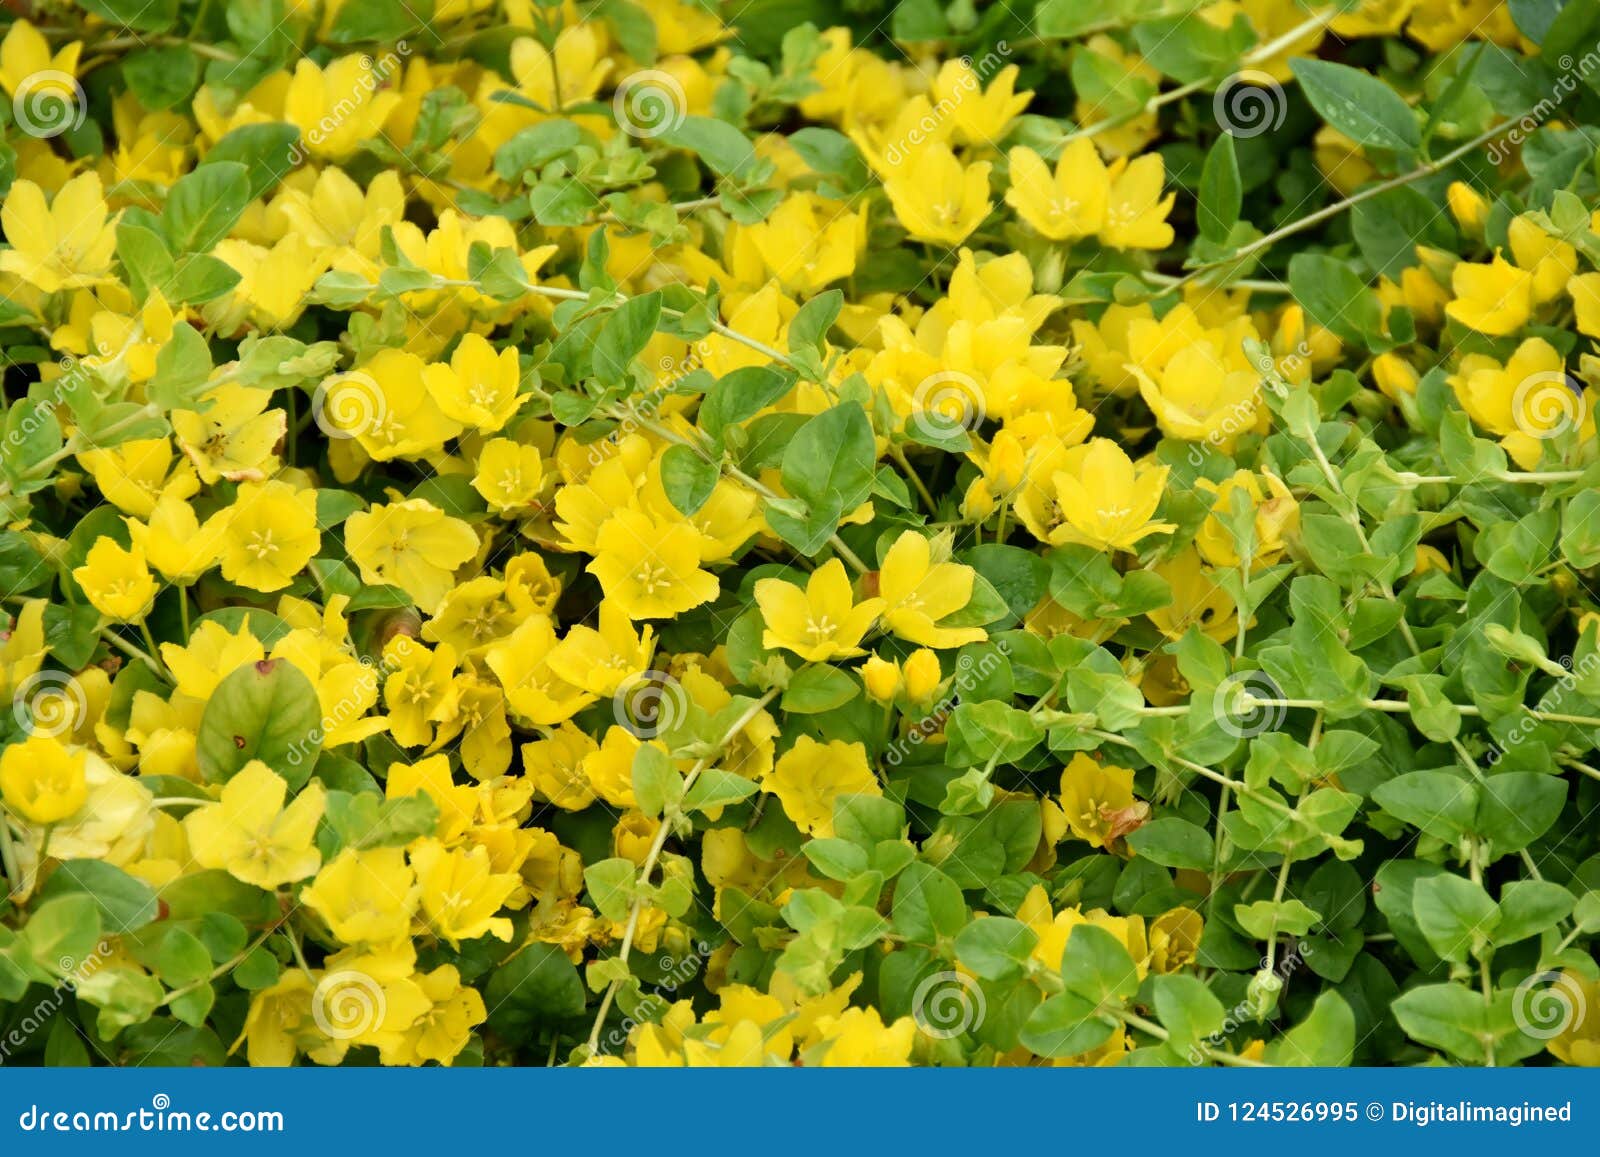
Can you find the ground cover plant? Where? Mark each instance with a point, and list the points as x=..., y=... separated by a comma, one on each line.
x=654, y=532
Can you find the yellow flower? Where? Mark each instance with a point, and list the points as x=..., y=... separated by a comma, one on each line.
x=556, y=766
x=234, y=437
x=923, y=675
x=419, y=689
x=457, y=803
x=134, y=475
x=882, y=678
x=652, y=571
x=978, y=116
x=336, y=216
x=1203, y=396
x=211, y=654
x=601, y=661
x=280, y=1024
x=273, y=287
x=806, y=243
x=253, y=835
x=510, y=475
x=271, y=533
x=1467, y=206
x=917, y=592
x=1136, y=212
x=820, y=623
x=1585, y=291
x=479, y=388
x=1197, y=600
x=810, y=776
x=461, y=892
x=175, y=542
x=533, y=690
x=1097, y=800
x=24, y=54
x=411, y=544
x=387, y=407
x=446, y=1011
x=1495, y=299
x=1276, y=514
x=578, y=63
x=1394, y=376
x=1107, y=502
x=337, y=107
x=1551, y=260
x=1067, y=205
x=1175, y=939
x=1525, y=402
x=42, y=781
x=365, y=897
x=116, y=581
x=1578, y=1042
x=935, y=197
x=858, y=1038
x=65, y=244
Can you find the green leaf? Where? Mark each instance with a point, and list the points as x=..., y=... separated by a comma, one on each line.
x=1335, y=296
x=741, y=395
x=688, y=478
x=1455, y=914
x=1444, y=1016
x=1096, y=966
x=1325, y=1039
x=537, y=985
x=1529, y=907
x=818, y=687
x=1173, y=842
x=611, y=885
x=204, y=205
x=267, y=152
x=623, y=336
x=364, y=820
x=1358, y=104
x=928, y=906
x=726, y=151
x=62, y=934
x=996, y=947
x=267, y=711
x=1221, y=191
x=715, y=788
x=181, y=959
x=378, y=20
x=657, y=783
x=125, y=903
x=829, y=463
x=140, y=15
x=1265, y=919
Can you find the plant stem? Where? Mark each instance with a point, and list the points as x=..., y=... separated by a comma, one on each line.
x=654, y=854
